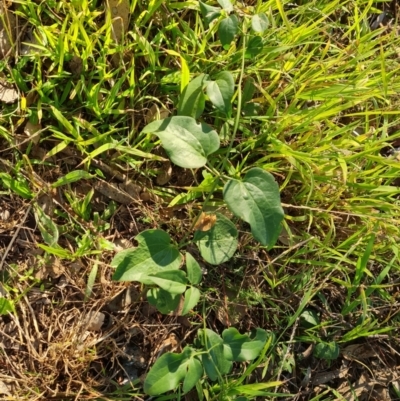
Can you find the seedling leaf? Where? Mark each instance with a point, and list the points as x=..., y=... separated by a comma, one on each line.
x=192, y=296
x=328, y=351
x=153, y=254
x=163, y=300
x=194, y=273
x=240, y=347
x=214, y=361
x=6, y=306
x=227, y=30
x=18, y=186
x=221, y=92
x=71, y=177
x=172, y=281
x=210, y=13
x=192, y=100
x=218, y=244
x=187, y=143
x=226, y=5
x=166, y=374
x=259, y=22
x=194, y=373
x=256, y=200
x=254, y=47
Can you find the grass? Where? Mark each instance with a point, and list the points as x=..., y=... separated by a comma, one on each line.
x=316, y=105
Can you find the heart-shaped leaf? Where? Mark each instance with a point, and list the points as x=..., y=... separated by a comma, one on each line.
x=227, y=30
x=221, y=92
x=153, y=254
x=214, y=361
x=218, y=244
x=240, y=347
x=256, y=200
x=169, y=370
x=226, y=5
x=328, y=351
x=172, y=281
x=192, y=296
x=209, y=13
x=259, y=22
x=192, y=100
x=163, y=300
x=187, y=143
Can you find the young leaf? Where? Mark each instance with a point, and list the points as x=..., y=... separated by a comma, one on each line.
x=153, y=254
x=187, y=143
x=227, y=30
x=259, y=22
x=240, y=347
x=90, y=282
x=194, y=373
x=18, y=186
x=192, y=100
x=248, y=90
x=192, y=296
x=226, y=5
x=166, y=374
x=71, y=177
x=6, y=306
x=328, y=351
x=254, y=47
x=163, y=300
x=214, y=361
x=221, y=92
x=256, y=200
x=47, y=227
x=194, y=273
x=209, y=13
x=172, y=281
x=218, y=244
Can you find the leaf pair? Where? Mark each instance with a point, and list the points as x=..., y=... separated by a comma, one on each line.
x=215, y=358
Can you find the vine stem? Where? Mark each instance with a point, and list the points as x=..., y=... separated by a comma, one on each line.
x=234, y=133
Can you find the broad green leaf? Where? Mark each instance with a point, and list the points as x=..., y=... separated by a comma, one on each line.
x=209, y=13
x=192, y=296
x=327, y=351
x=71, y=177
x=187, y=143
x=172, y=281
x=194, y=273
x=221, y=92
x=163, y=300
x=169, y=370
x=256, y=200
x=240, y=347
x=153, y=254
x=248, y=90
x=214, y=360
x=309, y=318
x=218, y=244
x=254, y=47
x=227, y=30
x=193, y=375
x=226, y=5
x=6, y=306
x=259, y=22
x=19, y=186
x=192, y=100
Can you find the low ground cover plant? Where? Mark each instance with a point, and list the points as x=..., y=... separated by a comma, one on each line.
x=199, y=200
